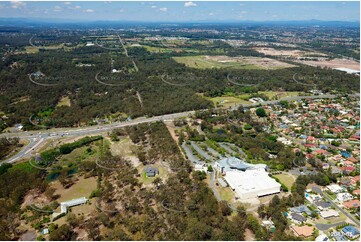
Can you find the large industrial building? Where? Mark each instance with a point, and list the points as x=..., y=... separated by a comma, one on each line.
x=252, y=183
x=247, y=180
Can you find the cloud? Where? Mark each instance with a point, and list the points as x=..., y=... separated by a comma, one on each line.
x=121, y=10
x=75, y=7
x=243, y=12
x=153, y=6
x=274, y=16
x=163, y=9
x=17, y=4
x=190, y=4
x=242, y=4
x=57, y=9
x=89, y=10
x=211, y=14
x=67, y=3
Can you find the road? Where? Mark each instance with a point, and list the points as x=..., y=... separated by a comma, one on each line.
x=324, y=227
x=319, y=191
x=37, y=138
x=211, y=184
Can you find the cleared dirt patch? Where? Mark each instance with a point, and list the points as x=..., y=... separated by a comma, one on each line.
x=205, y=62
x=289, y=53
x=64, y=101
x=334, y=63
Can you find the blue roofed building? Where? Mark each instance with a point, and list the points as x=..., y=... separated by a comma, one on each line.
x=233, y=163
x=301, y=209
x=350, y=231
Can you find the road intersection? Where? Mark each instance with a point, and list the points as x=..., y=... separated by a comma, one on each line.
x=38, y=138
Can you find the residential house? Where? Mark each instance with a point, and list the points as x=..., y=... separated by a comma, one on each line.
x=352, y=204
x=343, y=197
x=350, y=232
x=329, y=214
x=303, y=231
x=151, y=171
x=301, y=209
x=297, y=218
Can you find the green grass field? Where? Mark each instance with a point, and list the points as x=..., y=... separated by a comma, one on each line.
x=230, y=100
x=286, y=179
x=153, y=49
x=227, y=101
x=226, y=193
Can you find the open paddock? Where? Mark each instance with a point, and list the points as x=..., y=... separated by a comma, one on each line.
x=206, y=62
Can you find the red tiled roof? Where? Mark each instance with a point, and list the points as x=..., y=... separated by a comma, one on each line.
x=352, y=204
x=352, y=159
x=304, y=231
x=356, y=178
x=348, y=163
x=348, y=168
x=310, y=138
x=320, y=151
x=308, y=156
x=356, y=192
x=355, y=136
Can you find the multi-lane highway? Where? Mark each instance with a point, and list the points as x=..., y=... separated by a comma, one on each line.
x=37, y=139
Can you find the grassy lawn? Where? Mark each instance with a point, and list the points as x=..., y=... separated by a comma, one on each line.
x=230, y=100
x=226, y=193
x=271, y=95
x=201, y=62
x=123, y=147
x=227, y=101
x=341, y=218
x=286, y=179
x=80, y=154
x=153, y=49
x=330, y=196
x=82, y=188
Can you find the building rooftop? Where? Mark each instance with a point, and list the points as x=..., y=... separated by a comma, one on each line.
x=329, y=213
x=298, y=217
x=350, y=230
x=304, y=231
x=233, y=163
x=252, y=183
x=352, y=204
x=301, y=209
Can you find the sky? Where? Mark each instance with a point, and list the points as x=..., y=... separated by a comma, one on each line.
x=180, y=11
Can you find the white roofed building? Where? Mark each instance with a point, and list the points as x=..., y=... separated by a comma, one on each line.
x=252, y=183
